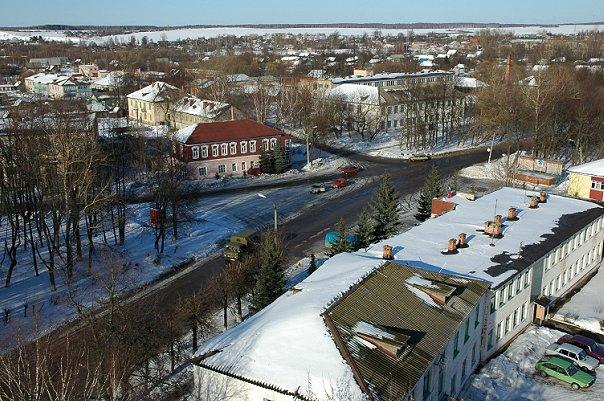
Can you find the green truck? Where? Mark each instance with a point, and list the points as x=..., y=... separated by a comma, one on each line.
x=239, y=245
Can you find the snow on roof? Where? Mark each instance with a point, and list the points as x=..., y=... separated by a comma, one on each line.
x=152, y=93
x=595, y=167
x=198, y=107
x=114, y=78
x=467, y=82
x=287, y=343
x=390, y=75
x=354, y=93
x=183, y=134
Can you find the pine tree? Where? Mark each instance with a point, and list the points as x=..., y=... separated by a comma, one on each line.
x=267, y=163
x=279, y=160
x=455, y=181
x=432, y=188
x=384, y=210
x=312, y=266
x=270, y=279
x=343, y=243
x=364, y=230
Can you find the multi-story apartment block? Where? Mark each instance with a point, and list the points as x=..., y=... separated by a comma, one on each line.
x=151, y=104
x=453, y=291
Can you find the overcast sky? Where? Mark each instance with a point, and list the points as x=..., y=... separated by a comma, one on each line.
x=185, y=12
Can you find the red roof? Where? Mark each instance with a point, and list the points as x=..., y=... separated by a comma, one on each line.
x=229, y=131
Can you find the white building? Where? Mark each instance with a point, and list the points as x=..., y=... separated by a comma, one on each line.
x=305, y=346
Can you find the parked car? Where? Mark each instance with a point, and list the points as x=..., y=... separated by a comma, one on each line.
x=564, y=370
x=349, y=170
x=339, y=183
x=574, y=354
x=318, y=188
x=590, y=347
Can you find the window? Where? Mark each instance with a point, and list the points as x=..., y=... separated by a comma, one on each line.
x=596, y=185
x=195, y=152
x=253, y=146
x=243, y=146
x=456, y=345
x=490, y=340
x=463, y=368
x=524, y=311
x=273, y=143
x=516, y=317
x=203, y=171
x=508, y=324
x=214, y=150
x=252, y=164
x=477, y=319
x=243, y=166
x=233, y=148
x=493, y=303
x=222, y=168
x=204, y=152
x=265, y=144
x=467, y=331
x=224, y=149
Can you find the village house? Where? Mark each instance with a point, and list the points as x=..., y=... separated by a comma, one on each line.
x=227, y=147
x=191, y=110
x=89, y=70
x=587, y=180
x=151, y=104
x=58, y=86
x=454, y=291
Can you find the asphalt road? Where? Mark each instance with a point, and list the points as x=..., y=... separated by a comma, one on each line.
x=304, y=233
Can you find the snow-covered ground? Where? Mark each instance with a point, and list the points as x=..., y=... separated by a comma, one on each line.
x=510, y=376
x=387, y=144
x=194, y=33
x=207, y=222
x=586, y=308
x=495, y=170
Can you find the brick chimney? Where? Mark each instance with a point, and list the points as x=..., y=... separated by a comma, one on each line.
x=498, y=219
x=387, y=253
x=462, y=240
x=534, y=203
x=512, y=214
x=452, y=246
x=543, y=197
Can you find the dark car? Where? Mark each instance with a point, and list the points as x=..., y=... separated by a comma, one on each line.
x=591, y=347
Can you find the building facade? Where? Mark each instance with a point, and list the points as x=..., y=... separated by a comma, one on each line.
x=151, y=104
x=587, y=180
x=227, y=148
x=191, y=110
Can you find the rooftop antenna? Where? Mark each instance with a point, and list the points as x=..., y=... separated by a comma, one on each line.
x=492, y=234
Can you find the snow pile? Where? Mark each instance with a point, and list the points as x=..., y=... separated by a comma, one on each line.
x=496, y=170
x=510, y=376
x=586, y=308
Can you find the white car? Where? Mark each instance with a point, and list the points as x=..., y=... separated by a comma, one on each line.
x=574, y=354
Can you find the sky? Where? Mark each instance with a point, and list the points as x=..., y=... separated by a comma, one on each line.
x=201, y=12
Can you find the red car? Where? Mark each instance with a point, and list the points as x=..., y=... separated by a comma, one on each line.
x=591, y=347
x=339, y=183
x=349, y=170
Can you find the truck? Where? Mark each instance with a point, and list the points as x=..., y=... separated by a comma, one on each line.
x=332, y=237
x=239, y=245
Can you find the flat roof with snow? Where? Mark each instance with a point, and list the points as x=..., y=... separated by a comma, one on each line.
x=288, y=345
x=595, y=167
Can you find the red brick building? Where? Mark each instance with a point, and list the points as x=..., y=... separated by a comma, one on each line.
x=226, y=148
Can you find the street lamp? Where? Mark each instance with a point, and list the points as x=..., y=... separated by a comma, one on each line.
x=274, y=209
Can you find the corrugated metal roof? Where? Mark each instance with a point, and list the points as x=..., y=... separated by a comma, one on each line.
x=385, y=302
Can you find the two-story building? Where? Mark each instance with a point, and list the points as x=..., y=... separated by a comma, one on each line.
x=191, y=110
x=227, y=147
x=453, y=292
x=58, y=86
x=587, y=180
x=151, y=104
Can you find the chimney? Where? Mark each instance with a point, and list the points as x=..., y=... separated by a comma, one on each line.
x=492, y=228
x=452, y=246
x=498, y=219
x=387, y=253
x=543, y=197
x=462, y=240
x=512, y=214
x=534, y=203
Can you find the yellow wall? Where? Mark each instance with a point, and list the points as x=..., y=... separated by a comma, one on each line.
x=579, y=185
x=154, y=112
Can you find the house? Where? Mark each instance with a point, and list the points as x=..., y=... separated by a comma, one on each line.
x=416, y=326
x=110, y=82
x=44, y=63
x=151, y=104
x=89, y=70
x=226, y=147
x=58, y=86
x=191, y=110
x=587, y=180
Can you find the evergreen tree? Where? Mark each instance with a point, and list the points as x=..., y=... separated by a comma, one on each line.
x=384, y=210
x=364, y=230
x=270, y=279
x=432, y=188
x=267, y=163
x=342, y=244
x=279, y=160
x=455, y=181
x=312, y=266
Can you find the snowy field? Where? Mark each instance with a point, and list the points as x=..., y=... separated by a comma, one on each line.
x=510, y=376
x=586, y=308
x=206, y=223
x=194, y=33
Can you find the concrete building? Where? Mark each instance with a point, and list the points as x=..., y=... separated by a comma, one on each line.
x=587, y=180
x=226, y=148
x=151, y=104
x=399, y=79
x=457, y=290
